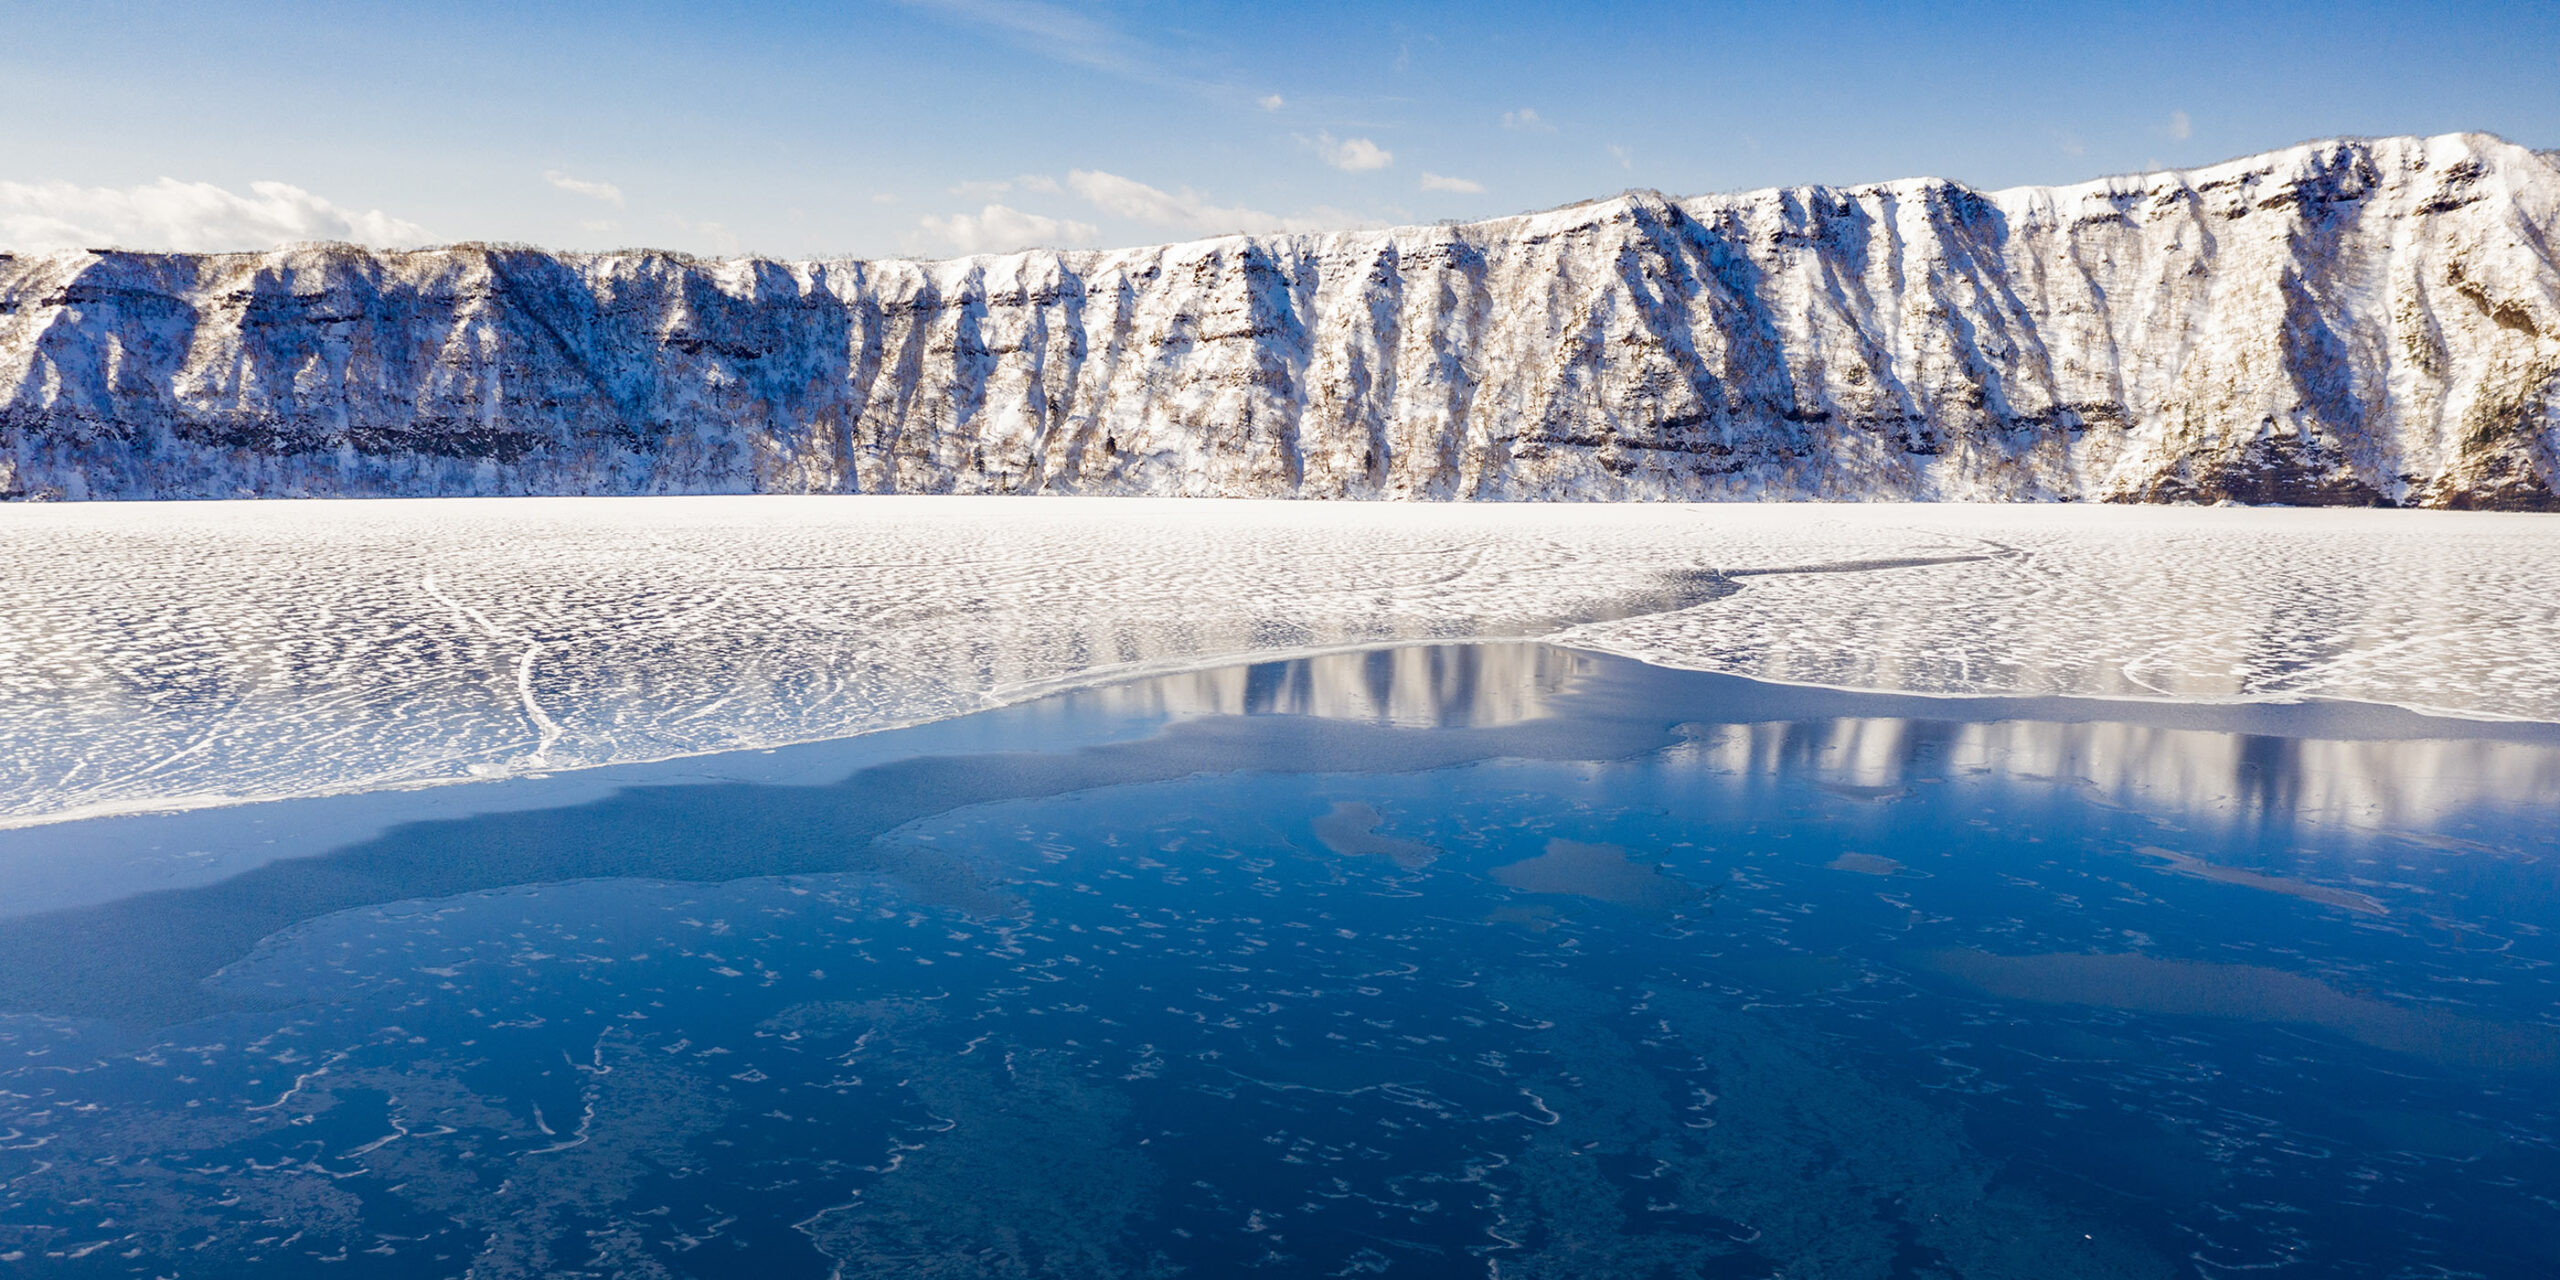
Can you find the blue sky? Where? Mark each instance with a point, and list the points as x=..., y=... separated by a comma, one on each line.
x=882, y=127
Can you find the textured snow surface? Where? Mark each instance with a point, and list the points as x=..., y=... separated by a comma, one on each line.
x=156, y=655
x=2340, y=323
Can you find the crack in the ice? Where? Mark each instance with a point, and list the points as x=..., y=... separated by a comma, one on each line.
x=547, y=729
x=1689, y=588
x=1854, y=566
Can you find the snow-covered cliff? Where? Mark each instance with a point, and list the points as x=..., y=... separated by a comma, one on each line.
x=2340, y=322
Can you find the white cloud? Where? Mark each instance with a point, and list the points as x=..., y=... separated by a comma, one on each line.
x=1271, y=102
x=1353, y=155
x=2181, y=127
x=604, y=191
x=997, y=229
x=187, y=217
x=1626, y=158
x=1325, y=217
x=1526, y=120
x=978, y=190
x=1192, y=211
x=600, y=226
x=1040, y=182
x=721, y=239
x=1441, y=182
x=1186, y=209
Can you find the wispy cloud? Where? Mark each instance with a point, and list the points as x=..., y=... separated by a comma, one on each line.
x=190, y=217
x=1526, y=120
x=1442, y=182
x=1077, y=37
x=1056, y=30
x=983, y=189
x=1271, y=102
x=2181, y=127
x=1624, y=155
x=1353, y=155
x=999, y=228
x=604, y=191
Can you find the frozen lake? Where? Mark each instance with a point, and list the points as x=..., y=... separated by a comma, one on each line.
x=1485, y=960
x=2171, y=952
x=166, y=655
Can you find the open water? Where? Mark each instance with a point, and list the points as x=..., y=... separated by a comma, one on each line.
x=1466, y=960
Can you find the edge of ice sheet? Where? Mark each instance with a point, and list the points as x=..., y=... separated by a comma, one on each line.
x=1498, y=684
x=998, y=699
x=599, y=774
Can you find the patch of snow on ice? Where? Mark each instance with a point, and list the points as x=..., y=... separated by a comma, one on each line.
x=154, y=653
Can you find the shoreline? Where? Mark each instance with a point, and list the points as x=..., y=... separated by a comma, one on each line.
x=1105, y=677
x=85, y=860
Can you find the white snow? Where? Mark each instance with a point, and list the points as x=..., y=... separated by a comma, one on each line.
x=164, y=655
x=2343, y=322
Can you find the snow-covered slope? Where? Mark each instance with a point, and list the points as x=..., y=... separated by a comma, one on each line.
x=2340, y=322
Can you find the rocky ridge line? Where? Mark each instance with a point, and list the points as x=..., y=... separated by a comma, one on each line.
x=2371, y=322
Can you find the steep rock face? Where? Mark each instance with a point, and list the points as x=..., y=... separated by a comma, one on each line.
x=2341, y=322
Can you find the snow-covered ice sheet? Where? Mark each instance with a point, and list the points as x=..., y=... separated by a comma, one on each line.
x=165, y=655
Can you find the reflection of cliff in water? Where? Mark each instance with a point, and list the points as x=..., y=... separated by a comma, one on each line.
x=1418, y=687
x=2250, y=777
x=2242, y=777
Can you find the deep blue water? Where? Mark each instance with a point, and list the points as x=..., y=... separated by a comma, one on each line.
x=1485, y=961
